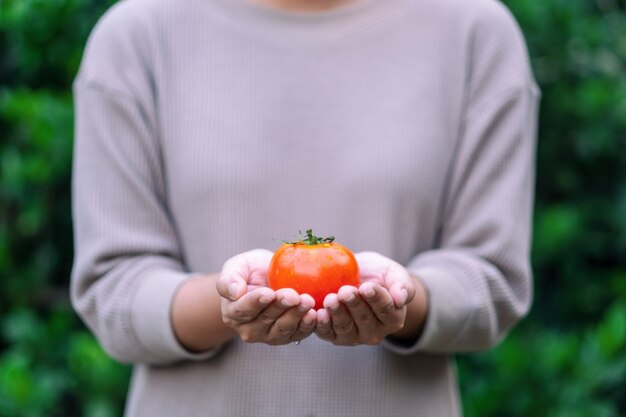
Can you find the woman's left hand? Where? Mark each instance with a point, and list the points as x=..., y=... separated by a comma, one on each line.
x=378, y=308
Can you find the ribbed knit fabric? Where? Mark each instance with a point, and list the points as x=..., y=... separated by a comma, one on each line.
x=205, y=128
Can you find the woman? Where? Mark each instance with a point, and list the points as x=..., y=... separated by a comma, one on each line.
x=207, y=129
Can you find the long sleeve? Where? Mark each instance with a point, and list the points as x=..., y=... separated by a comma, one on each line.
x=478, y=276
x=128, y=262
x=479, y=280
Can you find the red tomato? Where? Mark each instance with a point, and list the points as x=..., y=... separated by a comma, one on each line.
x=313, y=266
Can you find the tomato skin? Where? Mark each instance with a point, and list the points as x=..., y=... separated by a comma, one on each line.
x=317, y=270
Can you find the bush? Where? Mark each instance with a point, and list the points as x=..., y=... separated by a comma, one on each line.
x=49, y=364
x=566, y=359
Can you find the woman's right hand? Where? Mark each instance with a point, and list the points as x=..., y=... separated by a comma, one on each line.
x=256, y=312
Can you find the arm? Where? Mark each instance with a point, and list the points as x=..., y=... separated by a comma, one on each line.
x=479, y=279
x=127, y=265
x=478, y=276
x=129, y=282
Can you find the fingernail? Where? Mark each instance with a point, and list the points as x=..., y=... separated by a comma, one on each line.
x=307, y=321
x=286, y=303
x=350, y=298
x=233, y=289
x=265, y=299
x=334, y=307
x=369, y=293
x=405, y=296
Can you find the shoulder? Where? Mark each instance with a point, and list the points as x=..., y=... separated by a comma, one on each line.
x=470, y=16
x=492, y=22
x=486, y=42
x=498, y=54
x=123, y=43
x=477, y=24
x=122, y=24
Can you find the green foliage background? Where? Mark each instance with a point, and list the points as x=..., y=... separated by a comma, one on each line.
x=567, y=359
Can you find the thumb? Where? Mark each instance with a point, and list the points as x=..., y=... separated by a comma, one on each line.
x=237, y=271
x=231, y=286
x=402, y=286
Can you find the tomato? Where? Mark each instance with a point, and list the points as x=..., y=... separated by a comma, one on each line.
x=314, y=266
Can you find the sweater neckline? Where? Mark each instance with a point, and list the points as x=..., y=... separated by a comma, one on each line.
x=340, y=21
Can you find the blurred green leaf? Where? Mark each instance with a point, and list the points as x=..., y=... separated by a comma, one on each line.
x=16, y=381
x=611, y=333
x=21, y=326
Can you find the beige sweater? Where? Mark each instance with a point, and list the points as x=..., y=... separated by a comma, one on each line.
x=205, y=128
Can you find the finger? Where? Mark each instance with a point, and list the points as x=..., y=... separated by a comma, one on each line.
x=285, y=326
x=323, y=328
x=341, y=321
x=284, y=300
x=361, y=312
x=257, y=330
x=380, y=302
x=306, y=327
x=248, y=307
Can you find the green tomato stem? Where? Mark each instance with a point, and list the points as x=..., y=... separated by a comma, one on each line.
x=311, y=239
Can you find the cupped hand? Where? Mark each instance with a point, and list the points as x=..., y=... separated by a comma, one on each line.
x=258, y=313
x=374, y=310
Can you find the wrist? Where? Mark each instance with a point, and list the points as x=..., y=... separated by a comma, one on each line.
x=196, y=315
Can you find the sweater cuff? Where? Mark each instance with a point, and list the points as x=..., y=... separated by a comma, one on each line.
x=449, y=309
x=151, y=317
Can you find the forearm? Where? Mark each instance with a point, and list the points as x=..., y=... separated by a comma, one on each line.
x=196, y=315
